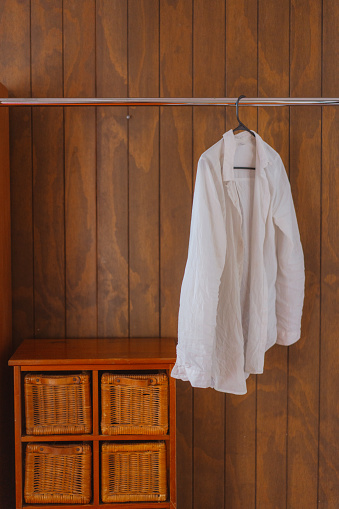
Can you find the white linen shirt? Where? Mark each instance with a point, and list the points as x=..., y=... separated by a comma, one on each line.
x=243, y=286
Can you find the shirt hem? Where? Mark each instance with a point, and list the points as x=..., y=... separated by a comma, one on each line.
x=201, y=380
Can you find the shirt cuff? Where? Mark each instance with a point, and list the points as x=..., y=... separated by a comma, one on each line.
x=287, y=338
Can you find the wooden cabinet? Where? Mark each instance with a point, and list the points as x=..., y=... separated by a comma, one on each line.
x=95, y=356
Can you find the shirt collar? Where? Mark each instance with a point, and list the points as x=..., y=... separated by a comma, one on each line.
x=230, y=146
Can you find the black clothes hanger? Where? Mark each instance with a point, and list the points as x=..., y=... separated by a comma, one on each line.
x=241, y=126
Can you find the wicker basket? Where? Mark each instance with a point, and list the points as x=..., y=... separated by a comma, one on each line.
x=133, y=472
x=58, y=404
x=58, y=474
x=134, y=404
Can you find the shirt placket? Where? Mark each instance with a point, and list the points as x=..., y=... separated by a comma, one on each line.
x=233, y=194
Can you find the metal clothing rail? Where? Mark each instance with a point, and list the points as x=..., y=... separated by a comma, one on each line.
x=169, y=101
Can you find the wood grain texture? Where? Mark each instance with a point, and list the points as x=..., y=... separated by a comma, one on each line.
x=48, y=206
x=208, y=128
x=6, y=393
x=329, y=372
x=15, y=62
x=328, y=495
x=305, y=47
x=175, y=204
x=273, y=126
x=303, y=402
x=48, y=171
x=112, y=171
x=128, y=208
x=22, y=224
x=46, y=47
x=112, y=210
x=143, y=44
x=80, y=223
x=330, y=48
x=80, y=170
x=15, y=68
x=144, y=221
x=305, y=161
x=241, y=57
x=175, y=154
x=241, y=78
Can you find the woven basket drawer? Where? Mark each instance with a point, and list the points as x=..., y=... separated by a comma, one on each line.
x=58, y=474
x=133, y=472
x=58, y=404
x=134, y=404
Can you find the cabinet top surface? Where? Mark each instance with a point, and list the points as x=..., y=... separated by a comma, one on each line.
x=94, y=351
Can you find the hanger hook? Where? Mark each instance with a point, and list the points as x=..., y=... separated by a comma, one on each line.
x=237, y=107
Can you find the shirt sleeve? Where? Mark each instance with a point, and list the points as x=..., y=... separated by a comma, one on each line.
x=200, y=285
x=290, y=282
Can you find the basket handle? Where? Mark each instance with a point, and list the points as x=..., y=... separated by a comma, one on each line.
x=74, y=379
x=133, y=381
x=59, y=451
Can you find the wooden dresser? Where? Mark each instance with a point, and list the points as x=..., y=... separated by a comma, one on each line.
x=95, y=356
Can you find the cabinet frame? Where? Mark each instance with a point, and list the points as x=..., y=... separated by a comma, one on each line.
x=99, y=355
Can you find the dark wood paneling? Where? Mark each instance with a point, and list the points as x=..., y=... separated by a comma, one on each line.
x=15, y=74
x=330, y=48
x=305, y=43
x=112, y=170
x=15, y=67
x=48, y=171
x=111, y=235
x=241, y=57
x=15, y=62
x=329, y=373
x=303, y=402
x=46, y=48
x=305, y=177
x=273, y=126
x=328, y=495
x=143, y=44
x=6, y=393
x=48, y=207
x=175, y=204
x=80, y=170
x=208, y=127
x=241, y=78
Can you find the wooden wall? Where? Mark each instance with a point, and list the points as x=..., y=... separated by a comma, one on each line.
x=101, y=204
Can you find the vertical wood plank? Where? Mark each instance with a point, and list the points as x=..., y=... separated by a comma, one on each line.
x=22, y=223
x=112, y=170
x=241, y=58
x=208, y=128
x=15, y=75
x=329, y=373
x=143, y=52
x=48, y=207
x=6, y=395
x=175, y=204
x=303, y=397
x=17, y=434
x=329, y=353
x=273, y=126
x=48, y=171
x=305, y=162
x=80, y=170
x=241, y=78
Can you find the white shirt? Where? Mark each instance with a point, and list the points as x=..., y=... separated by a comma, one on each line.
x=243, y=287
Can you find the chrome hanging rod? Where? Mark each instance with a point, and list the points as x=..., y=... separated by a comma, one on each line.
x=169, y=101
